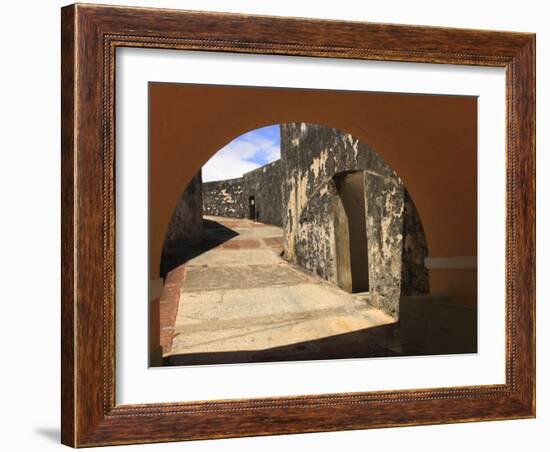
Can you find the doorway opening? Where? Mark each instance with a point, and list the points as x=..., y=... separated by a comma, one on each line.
x=351, y=188
x=252, y=208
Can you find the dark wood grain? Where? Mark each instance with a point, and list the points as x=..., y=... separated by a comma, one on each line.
x=90, y=35
x=68, y=311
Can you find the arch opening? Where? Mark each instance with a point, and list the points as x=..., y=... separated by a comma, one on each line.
x=345, y=214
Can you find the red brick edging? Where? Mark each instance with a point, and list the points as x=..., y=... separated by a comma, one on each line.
x=169, y=302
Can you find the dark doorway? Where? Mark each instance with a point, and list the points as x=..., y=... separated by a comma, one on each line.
x=252, y=208
x=352, y=193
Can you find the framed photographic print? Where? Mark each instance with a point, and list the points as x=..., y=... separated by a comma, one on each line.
x=282, y=225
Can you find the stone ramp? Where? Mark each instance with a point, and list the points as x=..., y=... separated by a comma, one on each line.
x=242, y=302
x=259, y=323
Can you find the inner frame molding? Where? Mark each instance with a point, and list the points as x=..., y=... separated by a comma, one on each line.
x=90, y=35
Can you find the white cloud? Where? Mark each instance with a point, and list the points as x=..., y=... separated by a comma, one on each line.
x=243, y=154
x=269, y=149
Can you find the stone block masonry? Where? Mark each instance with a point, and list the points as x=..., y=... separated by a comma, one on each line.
x=224, y=198
x=231, y=198
x=264, y=185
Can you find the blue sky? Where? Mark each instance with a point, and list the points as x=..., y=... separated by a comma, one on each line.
x=245, y=153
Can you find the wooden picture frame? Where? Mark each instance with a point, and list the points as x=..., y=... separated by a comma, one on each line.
x=90, y=36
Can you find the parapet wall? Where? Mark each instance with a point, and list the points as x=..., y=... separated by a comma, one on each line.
x=224, y=198
x=231, y=197
x=264, y=184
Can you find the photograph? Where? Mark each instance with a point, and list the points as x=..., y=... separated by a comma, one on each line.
x=292, y=224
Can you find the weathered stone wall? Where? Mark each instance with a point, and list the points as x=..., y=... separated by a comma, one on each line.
x=264, y=184
x=384, y=193
x=224, y=198
x=230, y=198
x=414, y=275
x=186, y=225
x=315, y=224
x=311, y=155
x=314, y=233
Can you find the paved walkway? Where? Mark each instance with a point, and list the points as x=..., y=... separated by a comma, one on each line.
x=242, y=302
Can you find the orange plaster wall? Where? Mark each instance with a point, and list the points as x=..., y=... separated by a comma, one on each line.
x=431, y=141
x=459, y=285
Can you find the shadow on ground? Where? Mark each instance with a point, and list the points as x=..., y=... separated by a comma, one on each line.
x=214, y=234
x=375, y=342
x=52, y=434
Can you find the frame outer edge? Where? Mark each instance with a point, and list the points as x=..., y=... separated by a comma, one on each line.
x=68, y=165
x=86, y=420
x=525, y=62
x=534, y=225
